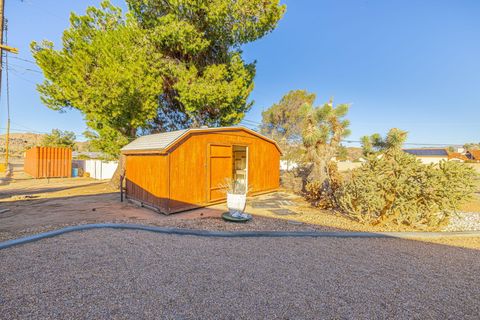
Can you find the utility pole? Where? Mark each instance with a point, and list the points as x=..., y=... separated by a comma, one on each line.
x=7, y=138
x=13, y=50
x=3, y=168
x=2, y=19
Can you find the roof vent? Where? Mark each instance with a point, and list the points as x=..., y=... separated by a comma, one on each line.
x=203, y=127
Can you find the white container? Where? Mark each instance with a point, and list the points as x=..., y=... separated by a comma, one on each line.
x=236, y=203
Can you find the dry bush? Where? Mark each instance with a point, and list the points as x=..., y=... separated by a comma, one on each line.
x=290, y=181
x=397, y=189
x=295, y=180
x=323, y=195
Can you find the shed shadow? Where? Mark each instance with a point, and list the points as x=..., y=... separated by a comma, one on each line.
x=42, y=190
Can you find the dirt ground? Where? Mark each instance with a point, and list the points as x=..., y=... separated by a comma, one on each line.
x=30, y=206
x=35, y=205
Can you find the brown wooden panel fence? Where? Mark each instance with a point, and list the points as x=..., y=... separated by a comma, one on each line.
x=48, y=162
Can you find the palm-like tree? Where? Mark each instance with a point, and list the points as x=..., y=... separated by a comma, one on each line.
x=323, y=130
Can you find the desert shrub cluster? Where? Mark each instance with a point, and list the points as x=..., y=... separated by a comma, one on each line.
x=391, y=188
x=398, y=189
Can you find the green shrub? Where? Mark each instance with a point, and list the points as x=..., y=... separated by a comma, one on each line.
x=396, y=188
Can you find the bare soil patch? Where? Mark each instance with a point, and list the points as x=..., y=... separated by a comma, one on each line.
x=31, y=206
x=36, y=205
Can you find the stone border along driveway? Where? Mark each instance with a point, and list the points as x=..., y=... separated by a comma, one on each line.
x=240, y=234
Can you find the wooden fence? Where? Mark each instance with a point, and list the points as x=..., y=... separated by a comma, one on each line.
x=48, y=162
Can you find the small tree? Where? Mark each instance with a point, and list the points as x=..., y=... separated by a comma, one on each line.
x=283, y=123
x=59, y=138
x=323, y=130
x=283, y=119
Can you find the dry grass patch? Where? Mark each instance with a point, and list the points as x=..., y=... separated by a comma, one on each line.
x=472, y=206
x=325, y=218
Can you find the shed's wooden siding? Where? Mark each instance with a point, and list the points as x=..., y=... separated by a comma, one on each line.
x=147, y=179
x=189, y=167
x=178, y=179
x=48, y=162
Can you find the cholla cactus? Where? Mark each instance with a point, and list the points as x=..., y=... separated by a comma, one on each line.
x=375, y=144
x=398, y=189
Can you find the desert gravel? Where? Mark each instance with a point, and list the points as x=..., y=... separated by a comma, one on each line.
x=464, y=221
x=113, y=274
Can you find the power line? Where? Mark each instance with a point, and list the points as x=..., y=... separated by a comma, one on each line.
x=24, y=131
x=23, y=59
x=250, y=123
x=42, y=9
x=414, y=143
x=36, y=71
x=28, y=128
x=35, y=131
x=253, y=122
x=21, y=66
x=19, y=75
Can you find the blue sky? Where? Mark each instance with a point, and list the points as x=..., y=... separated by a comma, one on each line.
x=400, y=63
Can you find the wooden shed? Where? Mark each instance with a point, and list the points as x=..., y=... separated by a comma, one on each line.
x=185, y=169
x=48, y=162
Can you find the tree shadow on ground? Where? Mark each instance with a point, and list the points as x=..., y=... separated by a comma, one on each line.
x=28, y=191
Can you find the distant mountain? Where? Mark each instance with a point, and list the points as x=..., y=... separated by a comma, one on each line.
x=20, y=142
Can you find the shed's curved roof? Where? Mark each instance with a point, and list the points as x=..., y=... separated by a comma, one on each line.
x=157, y=141
x=166, y=140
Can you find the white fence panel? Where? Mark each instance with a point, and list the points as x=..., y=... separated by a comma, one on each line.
x=98, y=169
x=286, y=165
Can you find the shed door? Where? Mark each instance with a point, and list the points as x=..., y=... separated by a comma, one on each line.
x=220, y=168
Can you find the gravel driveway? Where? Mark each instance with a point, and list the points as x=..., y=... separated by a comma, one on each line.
x=101, y=274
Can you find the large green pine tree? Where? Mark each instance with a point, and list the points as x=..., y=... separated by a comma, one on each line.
x=164, y=65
